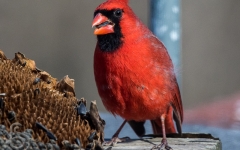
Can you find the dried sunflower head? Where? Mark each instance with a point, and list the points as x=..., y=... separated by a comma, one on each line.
x=31, y=96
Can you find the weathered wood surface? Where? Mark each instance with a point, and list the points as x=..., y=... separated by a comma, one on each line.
x=186, y=142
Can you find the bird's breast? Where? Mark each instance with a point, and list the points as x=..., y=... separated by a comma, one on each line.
x=129, y=87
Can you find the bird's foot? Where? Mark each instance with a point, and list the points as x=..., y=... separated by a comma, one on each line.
x=115, y=140
x=163, y=144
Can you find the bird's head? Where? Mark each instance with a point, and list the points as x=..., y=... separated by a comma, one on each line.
x=108, y=15
x=111, y=20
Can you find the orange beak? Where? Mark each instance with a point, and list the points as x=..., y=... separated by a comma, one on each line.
x=103, y=25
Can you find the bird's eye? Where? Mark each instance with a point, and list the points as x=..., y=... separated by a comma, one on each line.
x=118, y=13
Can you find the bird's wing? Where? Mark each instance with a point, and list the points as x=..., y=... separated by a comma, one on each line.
x=177, y=108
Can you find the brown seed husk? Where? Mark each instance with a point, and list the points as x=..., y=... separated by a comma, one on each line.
x=49, y=102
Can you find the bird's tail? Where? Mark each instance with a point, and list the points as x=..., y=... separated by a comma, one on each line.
x=138, y=127
x=169, y=123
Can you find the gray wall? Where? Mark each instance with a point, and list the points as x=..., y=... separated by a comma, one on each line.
x=57, y=34
x=211, y=49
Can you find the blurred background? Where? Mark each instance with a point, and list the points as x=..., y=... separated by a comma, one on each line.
x=57, y=34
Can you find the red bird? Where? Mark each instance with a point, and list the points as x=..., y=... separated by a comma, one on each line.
x=134, y=73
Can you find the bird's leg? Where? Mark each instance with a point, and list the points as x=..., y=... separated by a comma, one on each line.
x=115, y=138
x=164, y=139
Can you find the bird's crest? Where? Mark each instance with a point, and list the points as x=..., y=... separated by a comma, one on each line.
x=109, y=4
x=123, y=1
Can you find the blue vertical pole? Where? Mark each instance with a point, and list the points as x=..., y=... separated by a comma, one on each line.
x=166, y=25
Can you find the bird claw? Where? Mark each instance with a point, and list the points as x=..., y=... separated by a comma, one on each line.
x=115, y=140
x=163, y=144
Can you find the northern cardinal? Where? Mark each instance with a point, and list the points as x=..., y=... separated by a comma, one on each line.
x=134, y=73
